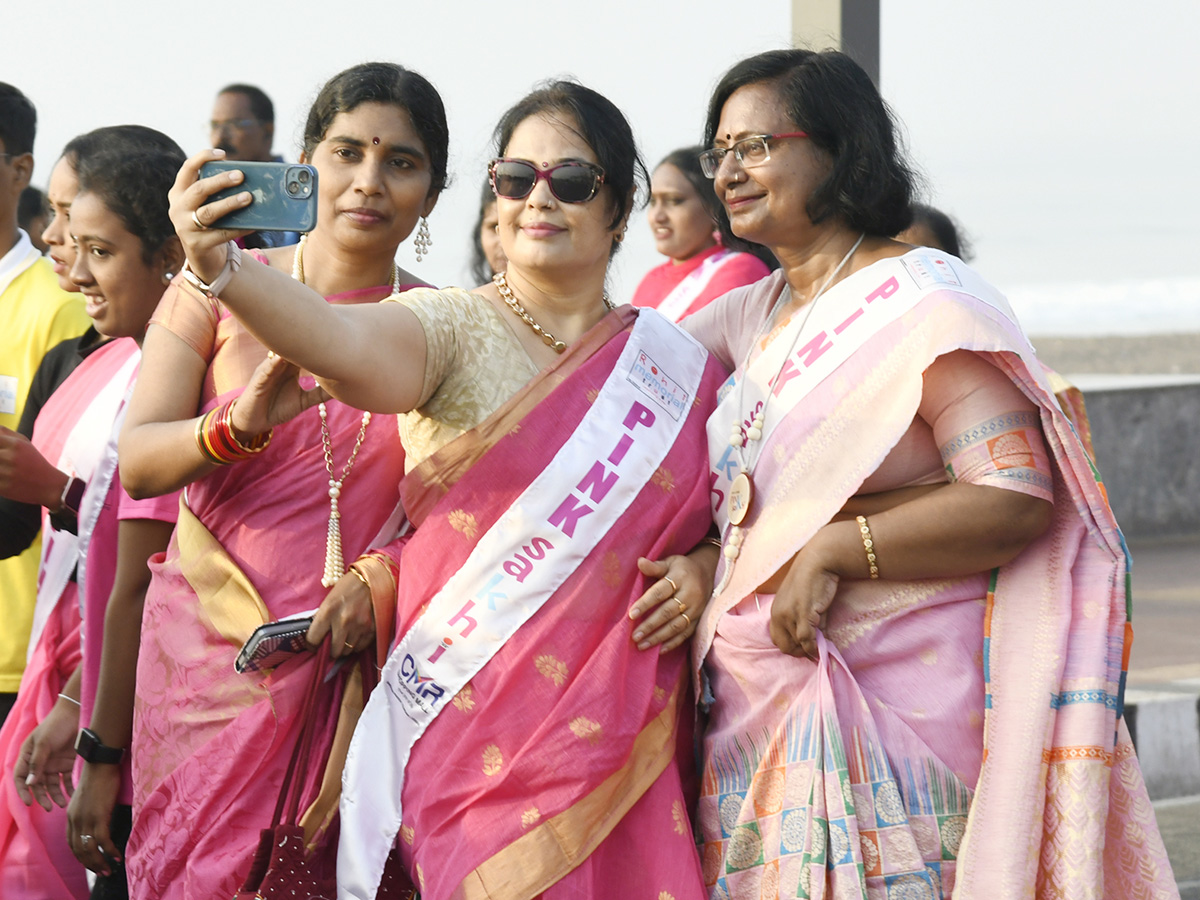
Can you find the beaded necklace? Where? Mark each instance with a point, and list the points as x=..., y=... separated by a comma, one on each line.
x=335, y=565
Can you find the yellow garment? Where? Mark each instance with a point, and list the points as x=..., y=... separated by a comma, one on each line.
x=35, y=315
x=473, y=364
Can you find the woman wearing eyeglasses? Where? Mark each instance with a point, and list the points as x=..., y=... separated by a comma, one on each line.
x=532, y=730
x=684, y=214
x=923, y=699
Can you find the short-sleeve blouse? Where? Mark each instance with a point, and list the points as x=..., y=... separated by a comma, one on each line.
x=473, y=365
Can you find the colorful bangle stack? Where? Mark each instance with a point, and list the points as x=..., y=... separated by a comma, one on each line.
x=868, y=545
x=217, y=442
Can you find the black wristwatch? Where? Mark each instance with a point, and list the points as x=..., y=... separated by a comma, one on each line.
x=89, y=746
x=67, y=516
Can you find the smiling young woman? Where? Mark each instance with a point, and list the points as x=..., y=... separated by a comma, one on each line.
x=685, y=218
x=98, y=539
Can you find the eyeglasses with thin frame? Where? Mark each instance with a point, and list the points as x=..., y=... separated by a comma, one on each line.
x=570, y=182
x=749, y=152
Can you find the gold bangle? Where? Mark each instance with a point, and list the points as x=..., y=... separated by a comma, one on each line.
x=868, y=545
x=716, y=542
x=360, y=576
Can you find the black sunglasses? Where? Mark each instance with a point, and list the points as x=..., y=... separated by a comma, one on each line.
x=570, y=182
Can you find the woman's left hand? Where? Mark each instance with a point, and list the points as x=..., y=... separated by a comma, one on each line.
x=272, y=396
x=677, y=598
x=347, y=614
x=802, y=599
x=89, y=815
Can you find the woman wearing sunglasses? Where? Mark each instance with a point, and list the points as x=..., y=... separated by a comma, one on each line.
x=924, y=699
x=533, y=723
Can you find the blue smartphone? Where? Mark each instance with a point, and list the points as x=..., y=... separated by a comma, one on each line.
x=284, y=196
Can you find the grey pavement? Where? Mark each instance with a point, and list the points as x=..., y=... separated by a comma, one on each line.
x=1163, y=686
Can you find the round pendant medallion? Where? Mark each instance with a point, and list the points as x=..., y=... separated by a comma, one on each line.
x=741, y=495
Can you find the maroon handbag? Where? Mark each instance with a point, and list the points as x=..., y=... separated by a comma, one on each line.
x=282, y=867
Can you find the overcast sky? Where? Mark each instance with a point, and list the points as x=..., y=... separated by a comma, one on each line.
x=1062, y=135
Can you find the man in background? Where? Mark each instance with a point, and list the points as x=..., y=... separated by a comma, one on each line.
x=33, y=215
x=35, y=315
x=243, y=125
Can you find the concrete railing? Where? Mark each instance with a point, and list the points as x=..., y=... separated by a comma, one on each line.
x=1146, y=432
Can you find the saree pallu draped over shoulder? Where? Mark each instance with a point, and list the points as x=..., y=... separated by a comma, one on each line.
x=956, y=737
x=520, y=744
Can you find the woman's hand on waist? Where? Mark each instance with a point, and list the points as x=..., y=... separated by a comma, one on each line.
x=272, y=397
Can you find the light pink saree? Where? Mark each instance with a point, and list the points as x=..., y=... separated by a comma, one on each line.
x=957, y=737
x=35, y=859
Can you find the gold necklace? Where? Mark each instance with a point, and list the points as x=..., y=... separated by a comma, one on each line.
x=510, y=298
x=335, y=564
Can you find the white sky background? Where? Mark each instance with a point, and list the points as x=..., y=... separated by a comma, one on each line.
x=1062, y=135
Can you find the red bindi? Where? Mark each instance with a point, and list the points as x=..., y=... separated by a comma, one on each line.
x=374, y=140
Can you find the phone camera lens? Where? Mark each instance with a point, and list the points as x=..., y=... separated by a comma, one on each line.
x=304, y=176
x=293, y=188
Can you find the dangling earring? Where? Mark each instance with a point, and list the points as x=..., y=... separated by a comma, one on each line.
x=422, y=242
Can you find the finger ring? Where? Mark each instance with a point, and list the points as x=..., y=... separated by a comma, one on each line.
x=349, y=646
x=682, y=605
x=686, y=619
x=196, y=219
x=85, y=839
x=674, y=586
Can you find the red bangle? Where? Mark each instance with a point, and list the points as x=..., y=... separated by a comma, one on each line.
x=217, y=442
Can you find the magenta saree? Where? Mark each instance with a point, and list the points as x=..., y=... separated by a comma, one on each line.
x=563, y=767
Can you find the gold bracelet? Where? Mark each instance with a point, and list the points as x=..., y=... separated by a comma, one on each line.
x=358, y=573
x=716, y=542
x=868, y=545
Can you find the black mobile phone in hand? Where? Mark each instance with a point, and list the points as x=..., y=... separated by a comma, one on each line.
x=272, y=644
x=284, y=196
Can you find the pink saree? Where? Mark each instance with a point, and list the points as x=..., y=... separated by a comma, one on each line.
x=210, y=746
x=35, y=859
x=957, y=737
x=563, y=768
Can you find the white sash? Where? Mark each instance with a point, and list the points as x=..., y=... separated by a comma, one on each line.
x=96, y=493
x=676, y=303
x=842, y=321
x=84, y=453
x=535, y=545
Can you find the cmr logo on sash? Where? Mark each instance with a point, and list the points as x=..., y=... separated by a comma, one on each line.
x=649, y=376
x=412, y=688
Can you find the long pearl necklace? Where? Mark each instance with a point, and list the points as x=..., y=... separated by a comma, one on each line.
x=741, y=491
x=507, y=295
x=335, y=565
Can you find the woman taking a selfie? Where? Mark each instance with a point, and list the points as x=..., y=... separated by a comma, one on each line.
x=685, y=218
x=532, y=732
x=261, y=533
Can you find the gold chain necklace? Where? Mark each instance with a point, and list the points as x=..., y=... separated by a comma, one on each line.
x=335, y=564
x=510, y=298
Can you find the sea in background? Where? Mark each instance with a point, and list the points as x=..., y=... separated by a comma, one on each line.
x=1114, y=309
